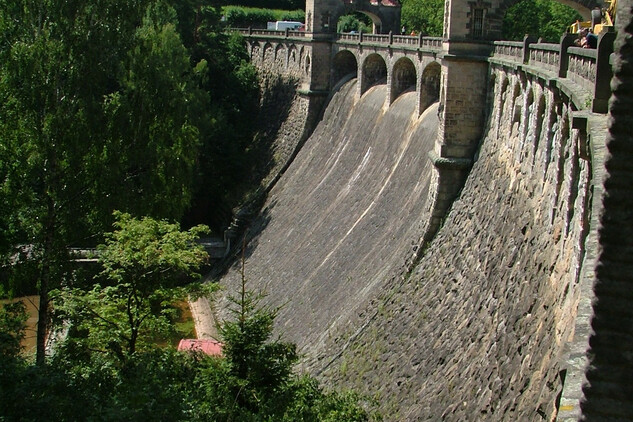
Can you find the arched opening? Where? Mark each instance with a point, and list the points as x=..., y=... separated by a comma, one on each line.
x=403, y=78
x=430, y=85
x=344, y=64
x=255, y=52
x=374, y=72
x=280, y=56
x=355, y=23
x=269, y=53
x=367, y=16
x=540, y=117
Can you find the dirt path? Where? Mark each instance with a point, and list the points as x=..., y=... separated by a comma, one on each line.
x=203, y=319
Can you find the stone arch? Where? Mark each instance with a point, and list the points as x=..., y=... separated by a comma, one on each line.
x=268, y=54
x=385, y=14
x=430, y=85
x=403, y=78
x=344, y=63
x=255, y=52
x=552, y=128
x=516, y=103
x=293, y=59
x=306, y=65
x=540, y=119
x=501, y=106
x=562, y=138
x=528, y=110
x=374, y=72
x=293, y=55
x=281, y=56
x=377, y=22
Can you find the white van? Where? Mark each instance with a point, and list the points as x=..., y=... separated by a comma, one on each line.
x=282, y=25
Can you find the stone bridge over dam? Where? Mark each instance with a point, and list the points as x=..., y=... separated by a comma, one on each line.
x=435, y=235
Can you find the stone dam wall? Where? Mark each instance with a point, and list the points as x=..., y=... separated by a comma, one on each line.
x=333, y=226
x=287, y=115
x=474, y=325
x=478, y=330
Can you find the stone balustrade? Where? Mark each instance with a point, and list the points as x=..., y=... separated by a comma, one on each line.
x=512, y=49
x=585, y=72
x=582, y=66
x=545, y=55
x=404, y=41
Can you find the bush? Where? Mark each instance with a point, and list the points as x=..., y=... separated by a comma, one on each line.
x=243, y=17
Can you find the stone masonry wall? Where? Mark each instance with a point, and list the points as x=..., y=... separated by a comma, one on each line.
x=478, y=330
x=286, y=115
x=608, y=389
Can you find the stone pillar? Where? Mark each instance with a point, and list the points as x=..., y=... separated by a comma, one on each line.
x=321, y=16
x=566, y=41
x=462, y=104
x=604, y=73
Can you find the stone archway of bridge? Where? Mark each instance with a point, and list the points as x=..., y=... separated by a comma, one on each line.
x=429, y=84
x=344, y=63
x=372, y=72
x=403, y=77
x=376, y=20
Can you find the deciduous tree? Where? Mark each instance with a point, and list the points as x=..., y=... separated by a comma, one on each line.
x=148, y=265
x=95, y=115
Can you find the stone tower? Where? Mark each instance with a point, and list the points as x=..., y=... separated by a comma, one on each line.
x=323, y=15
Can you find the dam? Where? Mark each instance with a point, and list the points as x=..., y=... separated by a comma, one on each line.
x=438, y=252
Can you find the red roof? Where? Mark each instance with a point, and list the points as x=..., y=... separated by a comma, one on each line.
x=209, y=347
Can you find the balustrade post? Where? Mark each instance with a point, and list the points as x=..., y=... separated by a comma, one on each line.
x=566, y=41
x=250, y=30
x=390, y=37
x=527, y=40
x=360, y=37
x=604, y=73
x=420, y=40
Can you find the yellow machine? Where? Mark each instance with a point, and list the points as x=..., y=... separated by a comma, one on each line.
x=601, y=20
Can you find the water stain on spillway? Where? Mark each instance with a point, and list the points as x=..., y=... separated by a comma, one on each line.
x=345, y=215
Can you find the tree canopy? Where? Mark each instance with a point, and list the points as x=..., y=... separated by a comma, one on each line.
x=104, y=105
x=547, y=19
x=148, y=265
x=423, y=16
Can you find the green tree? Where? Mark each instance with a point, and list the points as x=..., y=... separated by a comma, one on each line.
x=423, y=16
x=354, y=22
x=255, y=379
x=146, y=265
x=547, y=19
x=95, y=99
x=13, y=318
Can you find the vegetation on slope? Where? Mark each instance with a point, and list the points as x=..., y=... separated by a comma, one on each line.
x=108, y=368
x=136, y=106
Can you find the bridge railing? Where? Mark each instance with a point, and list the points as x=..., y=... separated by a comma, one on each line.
x=406, y=41
x=510, y=49
x=582, y=66
x=588, y=69
x=270, y=33
x=545, y=55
